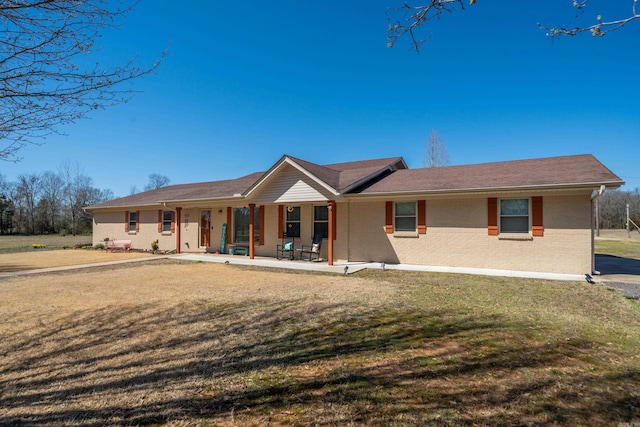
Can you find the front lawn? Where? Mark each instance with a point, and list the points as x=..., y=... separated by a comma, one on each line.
x=183, y=344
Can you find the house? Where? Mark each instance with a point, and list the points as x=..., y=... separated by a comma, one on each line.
x=527, y=215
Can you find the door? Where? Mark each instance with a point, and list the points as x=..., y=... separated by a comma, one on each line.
x=205, y=228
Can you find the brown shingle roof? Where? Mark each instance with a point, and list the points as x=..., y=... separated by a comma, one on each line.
x=567, y=171
x=201, y=190
x=554, y=172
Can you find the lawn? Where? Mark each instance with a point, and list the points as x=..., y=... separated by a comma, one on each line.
x=9, y=243
x=182, y=344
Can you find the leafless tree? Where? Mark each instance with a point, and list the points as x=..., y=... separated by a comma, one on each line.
x=29, y=194
x=408, y=19
x=435, y=153
x=77, y=188
x=42, y=82
x=51, y=199
x=157, y=181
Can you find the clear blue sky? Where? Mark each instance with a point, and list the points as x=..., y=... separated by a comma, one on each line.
x=245, y=83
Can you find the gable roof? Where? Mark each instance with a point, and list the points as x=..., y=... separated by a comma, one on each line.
x=337, y=177
x=553, y=172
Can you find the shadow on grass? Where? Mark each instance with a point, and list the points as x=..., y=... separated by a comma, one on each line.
x=297, y=363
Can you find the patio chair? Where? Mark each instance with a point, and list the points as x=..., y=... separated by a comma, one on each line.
x=286, y=249
x=309, y=252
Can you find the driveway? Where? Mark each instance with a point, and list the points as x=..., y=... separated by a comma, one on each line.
x=620, y=273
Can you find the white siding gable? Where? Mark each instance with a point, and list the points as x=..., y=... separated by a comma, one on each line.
x=290, y=185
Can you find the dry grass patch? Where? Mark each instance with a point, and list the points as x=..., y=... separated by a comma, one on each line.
x=182, y=344
x=19, y=261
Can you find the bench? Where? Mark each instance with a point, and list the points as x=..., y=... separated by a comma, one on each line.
x=236, y=250
x=124, y=245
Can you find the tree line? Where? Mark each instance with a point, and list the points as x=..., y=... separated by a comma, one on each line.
x=49, y=202
x=612, y=208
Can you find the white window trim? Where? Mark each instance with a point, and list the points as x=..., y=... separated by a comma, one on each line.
x=405, y=233
x=514, y=236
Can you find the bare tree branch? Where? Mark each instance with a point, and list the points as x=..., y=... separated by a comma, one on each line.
x=600, y=28
x=407, y=20
x=42, y=85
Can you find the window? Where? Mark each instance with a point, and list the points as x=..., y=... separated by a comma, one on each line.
x=133, y=221
x=166, y=221
x=514, y=216
x=241, y=225
x=292, y=224
x=321, y=221
x=405, y=216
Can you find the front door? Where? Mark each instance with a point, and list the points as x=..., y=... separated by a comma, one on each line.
x=205, y=228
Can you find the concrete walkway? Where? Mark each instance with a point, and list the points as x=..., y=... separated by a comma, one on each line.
x=353, y=267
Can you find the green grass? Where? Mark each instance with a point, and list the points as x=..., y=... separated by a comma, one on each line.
x=49, y=241
x=619, y=248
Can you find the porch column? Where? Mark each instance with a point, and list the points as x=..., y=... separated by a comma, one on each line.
x=252, y=219
x=331, y=207
x=178, y=228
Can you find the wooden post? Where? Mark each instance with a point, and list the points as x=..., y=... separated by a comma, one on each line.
x=252, y=219
x=178, y=228
x=331, y=204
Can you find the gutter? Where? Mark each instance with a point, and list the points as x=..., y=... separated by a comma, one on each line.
x=594, y=198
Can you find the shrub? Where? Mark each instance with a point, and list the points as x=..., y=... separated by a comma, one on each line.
x=99, y=246
x=38, y=245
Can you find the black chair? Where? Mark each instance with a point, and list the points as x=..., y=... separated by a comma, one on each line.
x=313, y=251
x=285, y=250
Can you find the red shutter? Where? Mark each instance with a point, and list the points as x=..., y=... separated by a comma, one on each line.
x=492, y=216
x=536, y=217
x=280, y=221
x=229, y=215
x=137, y=221
x=388, y=218
x=126, y=222
x=261, y=230
x=173, y=222
x=159, y=220
x=422, y=217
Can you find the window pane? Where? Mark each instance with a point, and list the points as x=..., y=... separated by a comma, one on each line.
x=321, y=228
x=514, y=224
x=294, y=215
x=320, y=213
x=406, y=224
x=241, y=225
x=166, y=221
x=405, y=209
x=293, y=229
x=514, y=207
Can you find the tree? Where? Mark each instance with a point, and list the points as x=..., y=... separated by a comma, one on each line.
x=29, y=194
x=44, y=85
x=77, y=186
x=51, y=199
x=435, y=153
x=157, y=181
x=405, y=21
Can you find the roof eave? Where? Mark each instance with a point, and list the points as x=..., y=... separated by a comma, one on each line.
x=612, y=185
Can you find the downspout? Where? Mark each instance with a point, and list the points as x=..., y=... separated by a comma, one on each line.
x=178, y=212
x=594, y=197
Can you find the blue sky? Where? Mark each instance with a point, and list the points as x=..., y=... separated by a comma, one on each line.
x=244, y=83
